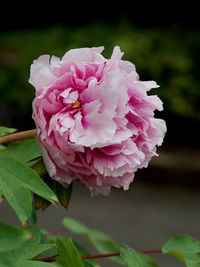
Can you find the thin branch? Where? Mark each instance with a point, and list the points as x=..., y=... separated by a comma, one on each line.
x=17, y=136
x=53, y=258
x=151, y=251
x=57, y=231
x=100, y=256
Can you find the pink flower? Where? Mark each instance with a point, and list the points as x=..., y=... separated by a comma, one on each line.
x=95, y=121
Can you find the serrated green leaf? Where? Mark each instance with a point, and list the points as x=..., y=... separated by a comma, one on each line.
x=24, y=151
x=74, y=226
x=136, y=259
x=185, y=248
x=16, y=179
x=5, y=130
x=12, y=237
x=68, y=255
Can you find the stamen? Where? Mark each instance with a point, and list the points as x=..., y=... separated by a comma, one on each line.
x=76, y=104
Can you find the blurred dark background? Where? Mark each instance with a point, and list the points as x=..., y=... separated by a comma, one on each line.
x=163, y=41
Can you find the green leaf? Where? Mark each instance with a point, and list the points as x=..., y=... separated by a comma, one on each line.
x=31, y=248
x=40, y=202
x=61, y=192
x=98, y=235
x=68, y=255
x=24, y=151
x=19, y=198
x=33, y=217
x=88, y=263
x=19, y=173
x=64, y=194
x=104, y=244
x=101, y=241
x=16, y=179
x=74, y=226
x=34, y=264
x=5, y=130
x=12, y=237
x=185, y=248
x=7, y=262
x=83, y=252
x=2, y=147
x=136, y=259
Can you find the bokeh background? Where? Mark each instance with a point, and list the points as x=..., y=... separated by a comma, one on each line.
x=163, y=41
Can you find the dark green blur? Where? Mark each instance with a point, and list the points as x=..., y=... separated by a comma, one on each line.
x=168, y=56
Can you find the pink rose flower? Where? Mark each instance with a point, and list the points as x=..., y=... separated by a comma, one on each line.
x=94, y=119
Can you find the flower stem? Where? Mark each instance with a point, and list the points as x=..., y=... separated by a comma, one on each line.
x=17, y=136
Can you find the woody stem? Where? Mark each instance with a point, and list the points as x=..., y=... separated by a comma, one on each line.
x=17, y=136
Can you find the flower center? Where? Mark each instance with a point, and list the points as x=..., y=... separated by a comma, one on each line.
x=76, y=104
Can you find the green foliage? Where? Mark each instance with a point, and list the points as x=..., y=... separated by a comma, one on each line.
x=68, y=255
x=104, y=244
x=74, y=226
x=24, y=151
x=24, y=245
x=5, y=130
x=83, y=252
x=21, y=166
x=168, y=56
x=16, y=182
x=185, y=248
x=20, y=169
x=12, y=237
x=101, y=241
x=136, y=259
x=63, y=193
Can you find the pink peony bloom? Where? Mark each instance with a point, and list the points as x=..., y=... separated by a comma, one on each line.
x=95, y=121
